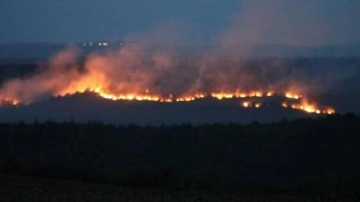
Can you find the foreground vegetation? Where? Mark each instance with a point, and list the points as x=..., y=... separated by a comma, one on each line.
x=316, y=158
x=20, y=188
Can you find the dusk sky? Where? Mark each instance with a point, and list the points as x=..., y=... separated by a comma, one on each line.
x=289, y=22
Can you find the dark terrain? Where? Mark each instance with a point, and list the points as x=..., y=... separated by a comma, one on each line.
x=83, y=147
x=316, y=157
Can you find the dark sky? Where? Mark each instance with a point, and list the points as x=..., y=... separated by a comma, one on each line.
x=315, y=22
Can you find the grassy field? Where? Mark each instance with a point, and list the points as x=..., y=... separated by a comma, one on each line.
x=20, y=188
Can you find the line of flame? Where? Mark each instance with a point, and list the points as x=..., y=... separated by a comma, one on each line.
x=147, y=96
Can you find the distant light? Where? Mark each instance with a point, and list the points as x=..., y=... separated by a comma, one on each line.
x=100, y=44
x=105, y=44
x=90, y=43
x=84, y=44
x=120, y=44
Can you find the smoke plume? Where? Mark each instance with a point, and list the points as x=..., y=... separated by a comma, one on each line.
x=144, y=72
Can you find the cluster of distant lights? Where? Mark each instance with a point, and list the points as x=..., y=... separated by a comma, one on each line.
x=101, y=44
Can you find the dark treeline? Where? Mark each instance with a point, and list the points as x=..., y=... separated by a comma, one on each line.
x=300, y=154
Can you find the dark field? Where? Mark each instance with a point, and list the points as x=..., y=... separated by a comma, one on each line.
x=288, y=160
x=15, y=188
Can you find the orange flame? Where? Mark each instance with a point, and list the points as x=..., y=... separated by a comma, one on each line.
x=292, y=95
x=124, y=75
x=246, y=104
x=309, y=108
x=303, y=105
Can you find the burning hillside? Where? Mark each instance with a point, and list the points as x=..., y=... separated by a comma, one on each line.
x=132, y=73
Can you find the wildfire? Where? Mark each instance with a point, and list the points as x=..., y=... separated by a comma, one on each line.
x=238, y=94
x=220, y=96
x=9, y=101
x=130, y=74
x=246, y=104
x=292, y=95
x=190, y=98
x=302, y=105
x=257, y=105
x=309, y=108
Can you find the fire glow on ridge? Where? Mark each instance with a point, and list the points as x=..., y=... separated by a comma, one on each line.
x=130, y=74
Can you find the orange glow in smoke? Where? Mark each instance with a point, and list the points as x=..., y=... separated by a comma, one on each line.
x=124, y=75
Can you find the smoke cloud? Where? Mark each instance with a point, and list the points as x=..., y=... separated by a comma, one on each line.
x=144, y=70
